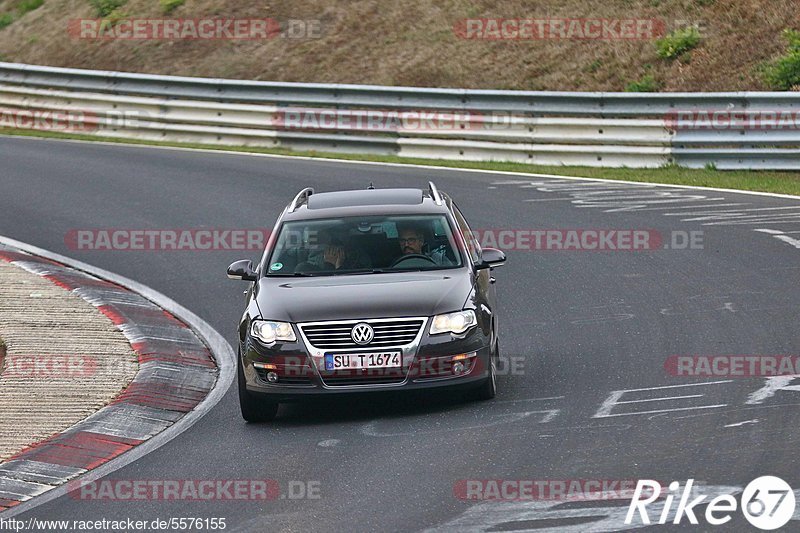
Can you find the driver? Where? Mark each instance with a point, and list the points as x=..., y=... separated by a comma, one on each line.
x=412, y=242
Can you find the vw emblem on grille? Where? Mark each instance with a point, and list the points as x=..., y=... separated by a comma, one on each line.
x=362, y=333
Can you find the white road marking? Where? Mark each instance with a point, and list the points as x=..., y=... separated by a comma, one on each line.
x=737, y=211
x=781, y=236
x=737, y=424
x=789, y=240
x=654, y=411
x=549, y=200
x=775, y=219
x=691, y=206
x=771, y=386
x=680, y=386
x=531, y=399
x=566, y=186
x=734, y=216
x=614, y=399
x=661, y=399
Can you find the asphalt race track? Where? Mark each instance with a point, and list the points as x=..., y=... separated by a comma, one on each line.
x=576, y=326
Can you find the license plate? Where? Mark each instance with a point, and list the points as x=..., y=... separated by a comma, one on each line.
x=349, y=361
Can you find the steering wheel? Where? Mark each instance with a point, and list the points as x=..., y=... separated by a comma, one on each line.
x=410, y=257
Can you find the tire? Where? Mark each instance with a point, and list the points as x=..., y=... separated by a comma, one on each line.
x=488, y=389
x=253, y=409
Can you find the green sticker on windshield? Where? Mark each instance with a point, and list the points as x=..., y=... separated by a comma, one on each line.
x=276, y=266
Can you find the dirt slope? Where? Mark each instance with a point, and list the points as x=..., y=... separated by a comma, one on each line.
x=414, y=43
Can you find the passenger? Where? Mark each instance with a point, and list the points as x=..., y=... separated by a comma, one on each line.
x=334, y=254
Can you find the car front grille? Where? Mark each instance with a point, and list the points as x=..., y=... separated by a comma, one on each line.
x=390, y=376
x=388, y=333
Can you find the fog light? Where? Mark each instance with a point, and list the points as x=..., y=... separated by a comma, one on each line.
x=272, y=377
x=458, y=368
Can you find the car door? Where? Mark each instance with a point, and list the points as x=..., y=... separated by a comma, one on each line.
x=485, y=291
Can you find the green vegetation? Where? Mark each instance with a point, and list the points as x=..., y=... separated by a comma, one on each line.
x=678, y=42
x=168, y=6
x=26, y=6
x=783, y=74
x=104, y=8
x=6, y=19
x=766, y=181
x=2, y=354
x=647, y=84
x=594, y=66
x=22, y=7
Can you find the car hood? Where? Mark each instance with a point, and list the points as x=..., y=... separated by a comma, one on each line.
x=363, y=296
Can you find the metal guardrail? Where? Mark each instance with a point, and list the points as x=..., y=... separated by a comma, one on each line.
x=551, y=128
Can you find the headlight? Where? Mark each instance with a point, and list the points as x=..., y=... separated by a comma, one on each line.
x=269, y=332
x=457, y=322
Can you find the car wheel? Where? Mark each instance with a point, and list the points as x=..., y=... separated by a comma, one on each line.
x=488, y=389
x=253, y=409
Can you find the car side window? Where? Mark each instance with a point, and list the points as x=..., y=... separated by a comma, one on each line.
x=473, y=246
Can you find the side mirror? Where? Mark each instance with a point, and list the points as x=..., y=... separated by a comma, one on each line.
x=492, y=257
x=242, y=270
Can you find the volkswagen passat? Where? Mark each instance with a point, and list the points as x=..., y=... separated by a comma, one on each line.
x=370, y=290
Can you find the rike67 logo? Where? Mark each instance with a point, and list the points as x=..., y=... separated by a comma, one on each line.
x=767, y=502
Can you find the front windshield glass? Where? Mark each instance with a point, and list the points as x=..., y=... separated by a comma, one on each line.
x=351, y=245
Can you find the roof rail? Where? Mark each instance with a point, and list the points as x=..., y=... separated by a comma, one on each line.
x=435, y=193
x=300, y=199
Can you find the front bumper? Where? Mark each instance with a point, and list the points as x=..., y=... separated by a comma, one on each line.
x=429, y=366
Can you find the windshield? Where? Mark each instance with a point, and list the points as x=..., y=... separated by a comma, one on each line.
x=352, y=245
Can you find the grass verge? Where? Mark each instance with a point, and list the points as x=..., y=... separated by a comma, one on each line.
x=781, y=182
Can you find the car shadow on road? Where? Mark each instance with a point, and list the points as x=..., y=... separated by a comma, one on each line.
x=371, y=406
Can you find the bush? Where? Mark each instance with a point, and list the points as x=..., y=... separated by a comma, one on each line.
x=5, y=19
x=168, y=6
x=105, y=7
x=783, y=74
x=678, y=42
x=25, y=6
x=647, y=84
